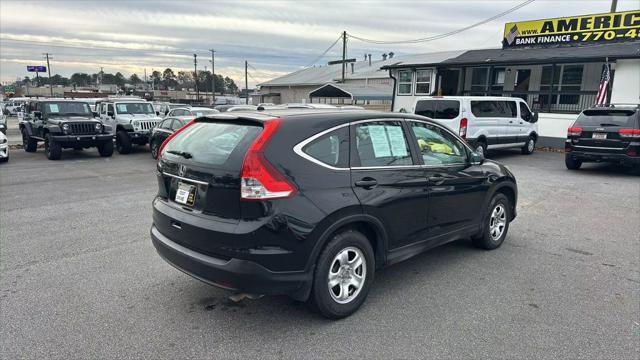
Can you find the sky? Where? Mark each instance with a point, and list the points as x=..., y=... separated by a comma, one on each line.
x=275, y=37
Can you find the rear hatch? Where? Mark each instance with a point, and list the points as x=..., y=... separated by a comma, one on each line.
x=199, y=183
x=602, y=130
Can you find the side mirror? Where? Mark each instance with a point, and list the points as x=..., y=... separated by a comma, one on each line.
x=37, y=114
x=534, y=119
x=95, y=114
x=110, y=113
x=476, y=158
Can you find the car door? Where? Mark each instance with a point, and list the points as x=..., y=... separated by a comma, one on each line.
x=109, y=116
x=487, y=121
x=509, y=112
x=388, y=180
x=456, y=188
x=525, y=127
x=38, y=122
x=162, y=131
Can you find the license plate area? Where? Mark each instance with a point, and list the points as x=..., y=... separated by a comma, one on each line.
x=599, y=136
x=186, y=194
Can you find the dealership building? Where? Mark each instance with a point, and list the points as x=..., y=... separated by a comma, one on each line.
x=557, y=79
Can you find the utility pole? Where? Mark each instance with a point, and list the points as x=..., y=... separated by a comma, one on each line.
x=100, y=75
x=213, y=77
x=614, y=5
x=246, y=83
x=344, y=53
x=195, y=72
x=49, y=69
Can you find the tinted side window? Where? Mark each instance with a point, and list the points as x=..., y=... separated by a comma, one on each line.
x=382, y=143
x=166, y=124
x=525, y=113
x=331, y=148
x=447, y=109
x=426, y=108
x=437, y=146
x=492, y=108
x=110, y=108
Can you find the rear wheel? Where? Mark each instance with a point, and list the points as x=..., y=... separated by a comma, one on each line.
x=495, y=224
x=52, y=149
x=123, y=142
x=343, y=275
x=481, y=147
x=106, y=149
x=530, y=146
x=28, y=144
x=572, y=164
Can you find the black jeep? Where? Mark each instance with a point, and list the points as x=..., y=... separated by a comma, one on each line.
x=64, y=124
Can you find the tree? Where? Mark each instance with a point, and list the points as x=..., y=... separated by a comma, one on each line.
x=134, y=79
x=80, y=79
x=119, y=79
x=156, y=77
x=230, y=86
x=185, y=78
x=169, y=78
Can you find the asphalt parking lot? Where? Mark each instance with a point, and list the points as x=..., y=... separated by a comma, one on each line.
x=79, y=277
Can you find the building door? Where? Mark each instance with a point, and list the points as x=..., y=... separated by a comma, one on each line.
x=523, y=77
x=449, y=80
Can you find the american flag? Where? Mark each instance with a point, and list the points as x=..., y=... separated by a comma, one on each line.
x=513, y=33
x=601, y=98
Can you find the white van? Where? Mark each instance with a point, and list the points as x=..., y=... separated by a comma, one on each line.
x=485, y=122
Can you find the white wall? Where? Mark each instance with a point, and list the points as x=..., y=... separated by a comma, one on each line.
x=555, y=125
x=626, y=82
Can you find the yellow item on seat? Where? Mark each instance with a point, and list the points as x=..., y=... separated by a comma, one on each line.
x=435, y=147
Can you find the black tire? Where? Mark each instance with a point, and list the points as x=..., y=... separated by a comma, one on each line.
x=123, y=142
x=321, y=298
x=154, y=146
x=106, y=149
x=481, y=145
x=52, y=149
x=3, y=160
x=28, y=144
x=488, y=238
x=571, y=163
x=530, y=146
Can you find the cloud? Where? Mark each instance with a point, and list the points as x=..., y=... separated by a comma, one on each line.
x=276, y=37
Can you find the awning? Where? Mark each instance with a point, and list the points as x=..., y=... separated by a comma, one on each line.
x=353, y=91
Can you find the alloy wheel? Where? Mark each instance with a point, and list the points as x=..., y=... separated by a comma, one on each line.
x=497, y=222
x=347, y=275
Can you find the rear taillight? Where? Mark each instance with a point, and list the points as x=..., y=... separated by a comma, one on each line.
x=463, y=128
x=164, y=143
x=629, y=133
x=574, y=131
x=259, y=179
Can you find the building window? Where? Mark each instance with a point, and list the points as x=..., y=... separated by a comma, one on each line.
x=423, y=82
x=404, y=82
x=567, y=81
x=479, y=77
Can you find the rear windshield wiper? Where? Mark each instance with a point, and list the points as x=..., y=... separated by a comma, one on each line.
x=184, y=154
x=607, y=124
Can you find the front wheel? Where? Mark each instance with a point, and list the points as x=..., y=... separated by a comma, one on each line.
x=481, y=148
x=123, y=142
x=106, y=149
x=495, y=224
x=154, y=148
x=571, y=163
x=529, y=147
x=52, y=149
x=343, y=275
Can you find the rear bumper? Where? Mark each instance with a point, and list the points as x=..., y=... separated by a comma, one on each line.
x=233, y=274
x=587, y=156
x=82, y=140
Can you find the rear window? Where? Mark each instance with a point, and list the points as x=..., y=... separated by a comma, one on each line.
x=626, y=118
x=212, y=143
x=331, y=148
x=438, y=109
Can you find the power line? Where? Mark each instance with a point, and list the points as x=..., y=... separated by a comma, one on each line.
x=325, y=52
x=440, y=36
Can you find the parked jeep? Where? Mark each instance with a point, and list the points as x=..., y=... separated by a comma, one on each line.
x=131, y=121
x=64, y=124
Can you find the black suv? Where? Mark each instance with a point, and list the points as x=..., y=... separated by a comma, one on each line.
x=310, y=203
x=605, y=134
x=64, y=124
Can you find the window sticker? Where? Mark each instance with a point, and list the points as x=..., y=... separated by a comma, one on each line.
x=53, y=108
x=396, y=140
x=122, y=108
x=379, y=141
